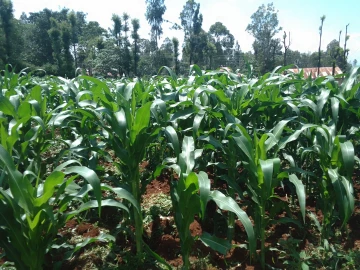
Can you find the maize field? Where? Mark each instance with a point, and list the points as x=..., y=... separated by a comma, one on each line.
x=215, y=170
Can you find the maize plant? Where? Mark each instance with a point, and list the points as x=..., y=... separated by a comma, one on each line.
x=259, y=136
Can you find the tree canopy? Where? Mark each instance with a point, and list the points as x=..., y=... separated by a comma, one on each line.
x=62, y=41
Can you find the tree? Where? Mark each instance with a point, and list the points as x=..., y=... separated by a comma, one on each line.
x=61, y=41
x=166, y=53
x=39, y=44
x=334, y=52
x=47, y=34
x=74, y=34
x=191, y=20
x=264, y=26
x=154, y=15
x=195, y=38
x=116, y=30
x=126, y=57
x=210, y=51
x=68, y=61
x=6, y=19
x=175, y=42
x=145, y=63
x=286, y=47
x=55, y=37
x=322, y=18
x=135, y=36
x=117, y=51
x=237, y=57
x=90, y=44
x=224, y=43
x=346, y=51
x=108, y=60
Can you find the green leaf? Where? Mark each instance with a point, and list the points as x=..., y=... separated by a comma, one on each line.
x=196, y=69
x=101, y=238
x=120, y=126
x=197, y=121
x=245, y=145
x=214, y=142
x=344, y=195
x=349, y=82
x=161, y=105
x=171, y=72
x=229, y=204
x=300, y=191
x=321, y=100
x=141, y=121
x=267, y=168
x=290, y=159
x=98, y=82
x=182, y=114
x=218, y=244
x=187, y=156
x=348, y=156
x=33, y=224
x=173, y=139
x=20, y=187
x=91, y=177
x=157, y=257
x=95, y=204
x=335, y=109
x=6, y=107
x=54, y=179
x=276, y=132
x=204, y=187
x=123, y=194
x=285, y=140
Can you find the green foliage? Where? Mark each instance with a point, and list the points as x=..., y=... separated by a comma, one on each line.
x=258, y=136
x=154, y=15
x=32, y=215
x=264, y=26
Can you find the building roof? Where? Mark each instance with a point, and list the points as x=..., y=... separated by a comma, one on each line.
x=324, y=71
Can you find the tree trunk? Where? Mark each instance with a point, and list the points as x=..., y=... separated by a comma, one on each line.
x=75, y=56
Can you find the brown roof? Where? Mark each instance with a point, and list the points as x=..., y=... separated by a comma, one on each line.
x=324, y=71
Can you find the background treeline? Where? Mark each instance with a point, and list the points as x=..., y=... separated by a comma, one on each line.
x=59, y=42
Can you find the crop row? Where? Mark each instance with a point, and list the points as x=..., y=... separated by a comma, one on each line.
x=256, y=134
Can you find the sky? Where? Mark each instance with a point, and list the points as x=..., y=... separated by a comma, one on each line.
x=300, y=17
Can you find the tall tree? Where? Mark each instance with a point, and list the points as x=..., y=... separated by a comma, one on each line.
x=346, y=51
x=224, y=42
x=55, y=36
x=116, y=30
x=191, y=20
x=74, y=34
x=264, y=26
x=334, y=52
x=6, y=19
x=210, y=53
x=90, y=43
x=117, y=51
x=175, y=42
x=237, y=57
x=68, y=61
x=195, y=38
x=126, y=57
x=135, y=36
x=286, y=47
x=154, y=15
x=322, y=19
x=39, y=43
